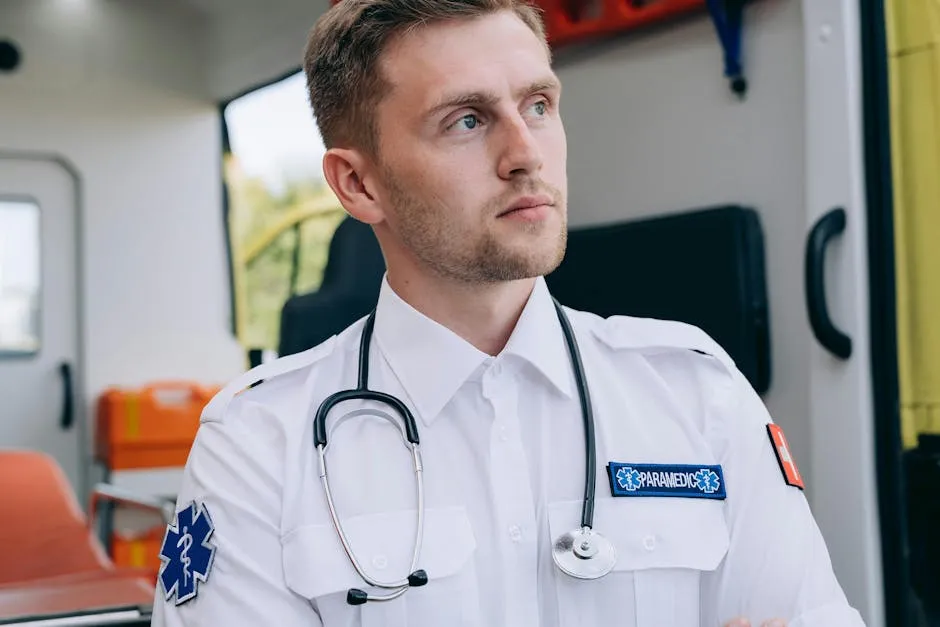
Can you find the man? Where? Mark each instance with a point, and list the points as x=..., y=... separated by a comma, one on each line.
x=443, y=127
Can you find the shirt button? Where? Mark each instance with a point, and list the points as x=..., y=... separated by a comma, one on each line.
x=380, y=562
x=649, y=542
x=515, y=533
x=503, y=434
x=496, y=370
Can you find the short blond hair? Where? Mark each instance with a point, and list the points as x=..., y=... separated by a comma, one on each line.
x=341, y=58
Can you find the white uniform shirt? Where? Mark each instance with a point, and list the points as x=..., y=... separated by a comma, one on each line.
x=502, y=441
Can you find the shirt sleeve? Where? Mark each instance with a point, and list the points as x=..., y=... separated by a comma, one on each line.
x=234, y=475
x=777, y=565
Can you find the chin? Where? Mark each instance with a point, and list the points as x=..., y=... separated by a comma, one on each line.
x=534, y=251
x=540, y=262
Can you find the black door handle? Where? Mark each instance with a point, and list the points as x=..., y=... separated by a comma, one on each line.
x=834, y=340
x=68, y=396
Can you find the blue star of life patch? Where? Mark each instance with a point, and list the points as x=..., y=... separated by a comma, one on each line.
x=186, y=553
x=678, y=480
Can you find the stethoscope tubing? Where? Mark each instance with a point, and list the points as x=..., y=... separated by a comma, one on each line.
x=587, y=414
x=409, y=431
x=419, y=482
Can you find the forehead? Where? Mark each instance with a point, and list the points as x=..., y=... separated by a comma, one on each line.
x=493, y=53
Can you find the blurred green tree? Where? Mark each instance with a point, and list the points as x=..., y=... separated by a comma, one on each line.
x=279, y=248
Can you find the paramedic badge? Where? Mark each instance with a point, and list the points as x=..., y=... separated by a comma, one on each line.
x=669, y=480
x=186, y=553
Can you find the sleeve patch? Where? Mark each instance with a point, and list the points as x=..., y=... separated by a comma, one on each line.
x=791, y=474
x=187, y=554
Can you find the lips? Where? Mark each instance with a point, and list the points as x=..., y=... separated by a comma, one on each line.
x=528, y=202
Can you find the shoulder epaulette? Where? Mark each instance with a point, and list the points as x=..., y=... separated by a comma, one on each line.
x=656, y=336
x=216, y=407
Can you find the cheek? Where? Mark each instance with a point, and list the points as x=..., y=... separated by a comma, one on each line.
x=555, y=155
x=424, y=166
x=456, y=177
x=433, y=186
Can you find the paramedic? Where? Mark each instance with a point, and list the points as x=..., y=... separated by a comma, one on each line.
x=442, y=120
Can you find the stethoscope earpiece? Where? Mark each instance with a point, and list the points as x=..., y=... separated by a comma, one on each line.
x=355, y=596
x=417, y=579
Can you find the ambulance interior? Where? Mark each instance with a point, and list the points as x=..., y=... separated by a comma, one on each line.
x=164, y=225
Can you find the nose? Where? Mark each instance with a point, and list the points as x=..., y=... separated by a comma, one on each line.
x=520, y=153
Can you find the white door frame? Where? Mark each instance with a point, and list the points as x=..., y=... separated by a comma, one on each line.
x=845, y=497
x=78, y=375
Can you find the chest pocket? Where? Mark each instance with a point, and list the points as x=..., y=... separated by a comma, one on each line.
x=317, y=568
x=663, y=547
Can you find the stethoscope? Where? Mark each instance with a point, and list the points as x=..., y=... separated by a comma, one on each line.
x=582, y=553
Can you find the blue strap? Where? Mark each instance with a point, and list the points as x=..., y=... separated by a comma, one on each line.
x=727, y=16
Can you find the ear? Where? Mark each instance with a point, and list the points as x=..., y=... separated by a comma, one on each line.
x=347, y=172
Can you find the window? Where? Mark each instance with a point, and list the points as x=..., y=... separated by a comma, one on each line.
x=19, y=278
x=281, y=212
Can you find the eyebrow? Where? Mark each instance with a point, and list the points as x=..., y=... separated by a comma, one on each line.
x=483, y=99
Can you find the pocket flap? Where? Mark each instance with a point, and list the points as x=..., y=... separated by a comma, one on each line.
x=653, y=532
x=315, y=563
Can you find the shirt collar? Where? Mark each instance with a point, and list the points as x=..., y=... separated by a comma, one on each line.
x=538, y=339
x=431, y=362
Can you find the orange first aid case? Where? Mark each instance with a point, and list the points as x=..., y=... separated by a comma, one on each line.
x=140, y=551
x=152, y=427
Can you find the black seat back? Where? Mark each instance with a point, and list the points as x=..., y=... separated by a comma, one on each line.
x=703, y=267
x=349, y=290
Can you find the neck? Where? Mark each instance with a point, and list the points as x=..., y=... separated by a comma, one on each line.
x=482, y=314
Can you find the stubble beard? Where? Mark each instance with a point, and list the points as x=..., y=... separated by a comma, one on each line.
x=463, y=255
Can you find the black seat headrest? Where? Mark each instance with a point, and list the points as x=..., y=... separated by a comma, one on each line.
x=349, y=290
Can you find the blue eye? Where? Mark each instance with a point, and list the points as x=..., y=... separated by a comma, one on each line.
x=540, y=108
x=470, y=121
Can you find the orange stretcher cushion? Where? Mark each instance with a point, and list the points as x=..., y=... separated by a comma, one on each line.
x=43, y=532
x=50, y=560
x=153, y=427
x=87, y=591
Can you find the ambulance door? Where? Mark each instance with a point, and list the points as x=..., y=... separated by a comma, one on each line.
x=837, y=289
x=40, y=403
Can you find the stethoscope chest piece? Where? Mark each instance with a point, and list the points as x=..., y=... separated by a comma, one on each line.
x=584, y=554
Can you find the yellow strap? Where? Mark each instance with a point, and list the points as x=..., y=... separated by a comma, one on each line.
x=138, y=554
x=133, y=416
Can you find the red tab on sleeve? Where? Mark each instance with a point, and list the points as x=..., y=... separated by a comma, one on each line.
x=791, y=474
